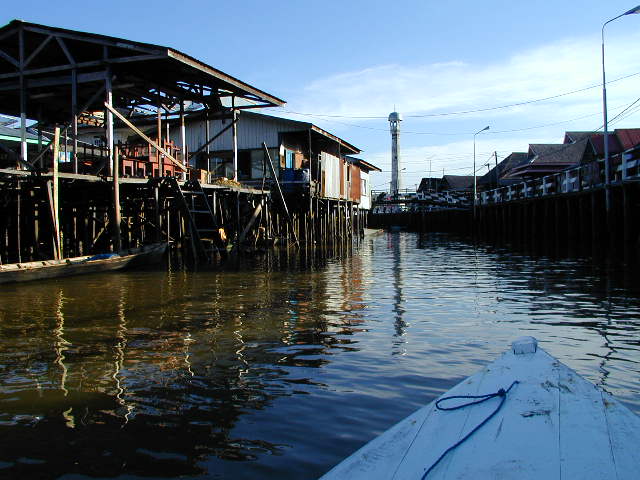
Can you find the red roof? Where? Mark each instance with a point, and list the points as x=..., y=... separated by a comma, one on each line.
x=629, y=137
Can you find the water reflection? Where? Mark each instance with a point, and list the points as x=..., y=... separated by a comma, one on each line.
x=279, y=367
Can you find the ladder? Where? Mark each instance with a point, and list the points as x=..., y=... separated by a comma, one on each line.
x=203, y=229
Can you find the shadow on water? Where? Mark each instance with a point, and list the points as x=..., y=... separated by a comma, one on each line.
x=279, y=365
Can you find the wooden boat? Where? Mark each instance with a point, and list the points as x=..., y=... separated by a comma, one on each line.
x=552, y=424
x=28, y=271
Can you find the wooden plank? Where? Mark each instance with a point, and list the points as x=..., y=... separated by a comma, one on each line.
x=284, y=203
x=396, y=453
x=624, y=426
x=252, y=220
x=585, y=448
x=56, y=206
x=521, y=441
x=143, y=136
x=117, y=246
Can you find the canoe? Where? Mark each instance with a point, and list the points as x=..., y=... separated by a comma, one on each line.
x=29, y=271
x=551, y=424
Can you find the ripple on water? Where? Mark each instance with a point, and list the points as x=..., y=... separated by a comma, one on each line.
x=281, y=369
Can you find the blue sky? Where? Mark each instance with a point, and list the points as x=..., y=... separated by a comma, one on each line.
x=338, y=61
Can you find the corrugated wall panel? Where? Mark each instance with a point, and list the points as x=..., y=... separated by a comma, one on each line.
x=365, y=194
x=251, y=133
x=331, y=171
x=355, y=183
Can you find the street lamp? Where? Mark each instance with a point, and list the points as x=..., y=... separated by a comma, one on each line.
x=607, y=166
x=474, y=169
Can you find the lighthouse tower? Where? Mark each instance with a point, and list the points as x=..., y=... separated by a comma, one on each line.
x=396, y=182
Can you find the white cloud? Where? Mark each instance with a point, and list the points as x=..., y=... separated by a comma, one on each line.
x=545, y=71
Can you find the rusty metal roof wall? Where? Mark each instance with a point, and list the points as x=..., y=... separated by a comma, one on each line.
x=362, y=163
x=628, y=137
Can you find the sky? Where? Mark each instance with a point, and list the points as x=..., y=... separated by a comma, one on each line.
x=528, y=70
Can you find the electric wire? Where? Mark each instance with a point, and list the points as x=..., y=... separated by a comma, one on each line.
x=465, y=112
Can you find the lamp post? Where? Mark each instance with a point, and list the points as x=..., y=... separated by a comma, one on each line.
x=474, y=169
x=607, y=166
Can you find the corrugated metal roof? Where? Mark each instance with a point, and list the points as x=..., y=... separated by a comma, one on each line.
x=153, y=49
x=15, y=133
x=628, y=137
x=141, y=70
x=459, y=182
x=308, y=126
x=362, y=163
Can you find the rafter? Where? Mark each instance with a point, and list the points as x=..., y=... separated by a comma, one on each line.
x=66, y=51
x=37, y=51
x=9, y=59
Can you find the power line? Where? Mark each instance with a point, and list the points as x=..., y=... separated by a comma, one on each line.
x=465, y=112
x=466, y=133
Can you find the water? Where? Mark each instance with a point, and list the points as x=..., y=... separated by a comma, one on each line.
x=280, y=369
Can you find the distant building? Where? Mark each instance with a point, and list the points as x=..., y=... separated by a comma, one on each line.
x=457, y=183
x=499, y=174
x=430, y=184
x=578, y=148
x=306, y=158
x=364, y=169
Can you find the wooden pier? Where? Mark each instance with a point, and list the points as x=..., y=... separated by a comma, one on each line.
x=566, y=213
x=76, y=187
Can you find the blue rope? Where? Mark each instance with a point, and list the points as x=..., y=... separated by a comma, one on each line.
x=502, y=393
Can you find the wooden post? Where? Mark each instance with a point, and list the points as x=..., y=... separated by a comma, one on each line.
x=235, y=141
x=23, y=101
x=252, y=220
x=275, y=178
x=207, y=135
x=183, y=139
x=117, y=238
x=109, y=117
x=74, y=117
x=595, y=233
x=627, y=220
x=159, y=136
x=56, y=207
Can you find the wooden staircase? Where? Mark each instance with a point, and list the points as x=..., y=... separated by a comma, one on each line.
x=203, y=229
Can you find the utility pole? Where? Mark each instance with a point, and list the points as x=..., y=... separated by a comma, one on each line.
x=496, y=155
x=430, y=181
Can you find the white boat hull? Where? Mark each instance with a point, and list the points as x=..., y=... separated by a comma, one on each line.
x=554, y=424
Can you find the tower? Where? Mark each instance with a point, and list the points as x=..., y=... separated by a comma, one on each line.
x=396, y=182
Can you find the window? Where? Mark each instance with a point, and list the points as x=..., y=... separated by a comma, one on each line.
x=244, y=164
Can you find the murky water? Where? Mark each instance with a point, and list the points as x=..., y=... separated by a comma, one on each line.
x=281, y=372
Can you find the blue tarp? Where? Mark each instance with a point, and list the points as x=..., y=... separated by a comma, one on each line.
x=103, y=256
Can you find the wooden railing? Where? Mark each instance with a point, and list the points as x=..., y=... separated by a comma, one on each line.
x=578, y=179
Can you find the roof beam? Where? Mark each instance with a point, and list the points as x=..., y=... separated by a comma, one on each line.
x=144, y=137
x=96, y=63
x=37, y=51
x=95, y=39
x=10, y=59
x=53, y=81
x=66, y=51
